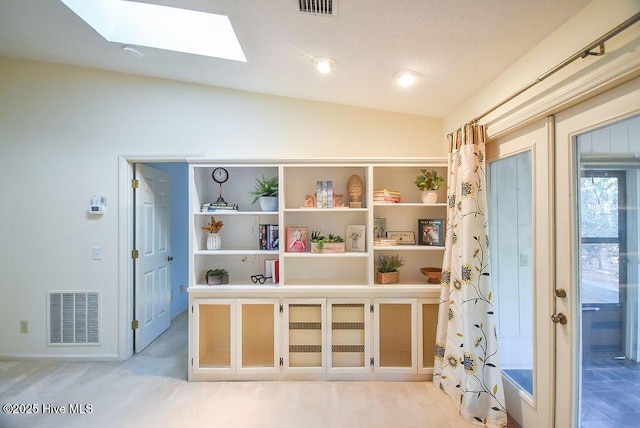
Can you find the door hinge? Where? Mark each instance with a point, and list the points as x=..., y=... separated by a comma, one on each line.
x=135, y=254
x=135, y=183
x=192, y=362
x=281, y=308
x=281, y=361
x=191, y=308
x=135, y=324
x=371, y=308
x=371, y=361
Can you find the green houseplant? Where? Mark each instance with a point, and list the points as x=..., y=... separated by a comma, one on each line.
x=217, y=276
x=428, y=182
x=326, y=244
x=266, y=191
x=388, y=268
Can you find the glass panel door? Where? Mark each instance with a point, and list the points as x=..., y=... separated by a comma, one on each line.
x=521, y=245
x=608, y=218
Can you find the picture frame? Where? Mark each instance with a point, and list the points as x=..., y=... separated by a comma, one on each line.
x=402, y=237
x=297, y=239
x=355, y=237
x=431, y=232
x=379, y=227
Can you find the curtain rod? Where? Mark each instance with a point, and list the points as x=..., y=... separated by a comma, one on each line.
x=582, y=53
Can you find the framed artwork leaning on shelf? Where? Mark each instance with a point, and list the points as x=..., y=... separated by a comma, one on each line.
x=355, y=237
x=431, y=231
x=297, y=239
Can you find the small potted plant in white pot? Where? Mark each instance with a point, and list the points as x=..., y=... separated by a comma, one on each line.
x=217, y=276
x=266, y=191
x=429, y=182
x=388, y=268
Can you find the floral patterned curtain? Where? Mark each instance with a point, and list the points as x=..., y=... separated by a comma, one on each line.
x=466, y=366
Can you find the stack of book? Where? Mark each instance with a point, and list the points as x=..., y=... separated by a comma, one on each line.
x=211, y=208
x=269, y=237
x=324, y=194
x=386, y=196
x=272, y=271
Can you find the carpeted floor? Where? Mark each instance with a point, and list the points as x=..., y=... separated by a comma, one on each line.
x=151, y=390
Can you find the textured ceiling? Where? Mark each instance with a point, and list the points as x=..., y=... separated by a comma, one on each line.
x=457, y=46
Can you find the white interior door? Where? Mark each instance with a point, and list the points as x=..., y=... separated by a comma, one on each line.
x=521, y=245
x=152, y=291
x=609, y=147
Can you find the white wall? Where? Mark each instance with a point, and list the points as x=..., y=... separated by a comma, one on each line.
x=62, y=130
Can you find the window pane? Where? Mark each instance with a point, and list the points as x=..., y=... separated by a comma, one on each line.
x=511, y=246
x=599, y=207
x=599, y=273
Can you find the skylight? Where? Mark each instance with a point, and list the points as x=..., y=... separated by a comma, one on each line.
x=161, y=27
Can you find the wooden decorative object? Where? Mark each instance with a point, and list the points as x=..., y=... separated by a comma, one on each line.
x=338, y=200
x=355, y=188
x=309, y=201
x=387, y=277
x=327, y=247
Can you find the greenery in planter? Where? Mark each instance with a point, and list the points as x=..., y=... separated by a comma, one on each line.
x=428, y=180
x=264, y=187
x=217, y=272
x=320, y=240
x=388, y=263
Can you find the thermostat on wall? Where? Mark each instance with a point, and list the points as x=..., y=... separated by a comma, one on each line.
x=98, y=205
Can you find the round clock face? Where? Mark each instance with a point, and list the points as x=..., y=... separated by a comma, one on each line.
x=220, y=175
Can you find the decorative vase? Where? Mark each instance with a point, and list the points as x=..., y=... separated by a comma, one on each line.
x=269, y=203
x=213, y=241
x=429, y=196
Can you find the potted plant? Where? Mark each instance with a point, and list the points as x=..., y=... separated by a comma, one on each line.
x=213, y=239
x=217, y=276
x=266, y=191
x=428, y=182
x=326, y=244
x=388, y=269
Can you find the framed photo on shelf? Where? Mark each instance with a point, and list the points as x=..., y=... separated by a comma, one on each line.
x=355, y=237
x=402, y=238
x=431, y=231
x=379, y=227
x=297, y=239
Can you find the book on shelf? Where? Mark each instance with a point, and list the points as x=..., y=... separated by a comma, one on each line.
x=386, y=196
x=269, y=237
x=211, y=208
x=272, y=270
x=324, y=194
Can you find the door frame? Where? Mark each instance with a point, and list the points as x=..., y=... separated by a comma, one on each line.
x=125, y=246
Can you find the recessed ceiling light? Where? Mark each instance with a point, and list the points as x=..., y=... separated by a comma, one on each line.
x=161, y=27
x=325, y=65
x=406, y=78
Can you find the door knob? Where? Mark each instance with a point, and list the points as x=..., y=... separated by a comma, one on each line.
x=561, y=292
x=559, y=318
x=169, y=258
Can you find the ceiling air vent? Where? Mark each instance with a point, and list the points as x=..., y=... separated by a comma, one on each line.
x=318, y=7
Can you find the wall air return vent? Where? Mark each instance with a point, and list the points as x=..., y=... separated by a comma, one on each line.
x=74, y=317
x=318, y=7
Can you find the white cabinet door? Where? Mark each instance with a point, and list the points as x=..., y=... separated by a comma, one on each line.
x=258, y=331
x=213, y=336
x=348, y=339
x=395, y=335
x=304, y=335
